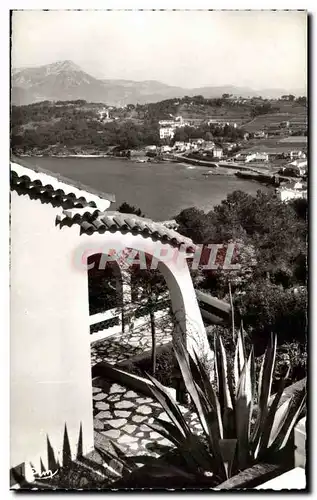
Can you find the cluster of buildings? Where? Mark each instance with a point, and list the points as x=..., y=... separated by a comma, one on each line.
x=167, y=127
x=264, y=157
x=204, y=148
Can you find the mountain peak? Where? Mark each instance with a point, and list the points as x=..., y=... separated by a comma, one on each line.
x=59, y=66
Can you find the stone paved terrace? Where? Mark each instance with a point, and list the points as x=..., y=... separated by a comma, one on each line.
x=121, y=414
x=122, y=346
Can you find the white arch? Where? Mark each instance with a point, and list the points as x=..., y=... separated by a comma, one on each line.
x=189, y=323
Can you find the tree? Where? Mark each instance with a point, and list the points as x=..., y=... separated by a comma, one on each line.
x=126, y=208
x=147, y=286
x=208, y=136
x=266, y=307
x=148, y=289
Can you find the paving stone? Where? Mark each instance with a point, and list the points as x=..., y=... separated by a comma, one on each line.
x=103, y=414
x=112, y=433
x=99, y=396
x=102, y=406
x=144, y=400
x=95, y=390
x=117, y=423
x=129, y=428
x=98, y=424
x=146, y=441
x=140, y=434
x=164, y=416
x=145, y=428
x=114, y=397
x=124, y=404
x=145, y=410
x=155, y=435
x=138, y=418
x=134, y=446
x=121, y=413
x=126, y=439
x=115, y=388
x=164, y=442
x=131, y=394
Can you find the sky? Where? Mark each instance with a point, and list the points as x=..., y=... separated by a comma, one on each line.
x=256, y=49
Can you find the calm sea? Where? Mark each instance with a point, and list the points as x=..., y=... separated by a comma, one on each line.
x=160, y=190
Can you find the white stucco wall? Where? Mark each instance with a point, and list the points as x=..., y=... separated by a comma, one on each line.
x=50, y=344
x=50, y=341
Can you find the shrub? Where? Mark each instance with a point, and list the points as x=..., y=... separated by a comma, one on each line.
x=234, y=438
x=166, y=366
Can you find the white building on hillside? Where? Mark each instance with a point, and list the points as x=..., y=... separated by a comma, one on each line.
x=167, y=132
x=292, y=191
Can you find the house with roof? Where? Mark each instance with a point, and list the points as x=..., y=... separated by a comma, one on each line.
x=217, y=152
x=292, y=191
x=57, y=224
x=167, y=132
x=260, y=134
x=297, y=155
x=296, y=168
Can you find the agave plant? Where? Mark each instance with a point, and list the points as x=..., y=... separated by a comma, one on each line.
x=237, y=432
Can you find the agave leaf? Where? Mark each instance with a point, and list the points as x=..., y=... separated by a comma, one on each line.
x=264, y=389
x=210, y=395
x=164, y=470
x=167, y=430
x=222, y=369
x=243, y=413
x=273, y=420
x=213, y=435
x=294, y=410
x=197, y=449
x=232, y=314
x=228, y=450
x=190, y=385
x=239, y=358
x=171, y=408
x=117, y=460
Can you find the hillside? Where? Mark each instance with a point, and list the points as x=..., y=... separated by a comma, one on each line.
x=64, y=80
x=73, y=127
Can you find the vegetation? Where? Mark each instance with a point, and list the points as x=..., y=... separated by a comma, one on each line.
x=42, y=126
x=208, y=132
x=270, y=239
x=71, y=127
x=234, y=436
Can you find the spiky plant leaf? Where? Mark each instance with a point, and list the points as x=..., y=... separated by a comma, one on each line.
x=273, y=421
x=294, y=409
x=211, y=396
x=167, y=430
x=264, y=389
x=171, y=408
x=228, y=450
x=239, y=358
x=182, y=359
x=243, y=413
x=222, y=368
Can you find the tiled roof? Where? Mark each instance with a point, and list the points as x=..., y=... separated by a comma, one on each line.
x=82, y=206
x=52, y=188
x=91, y=221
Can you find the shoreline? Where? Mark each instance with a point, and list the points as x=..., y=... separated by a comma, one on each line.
x=216, y=170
